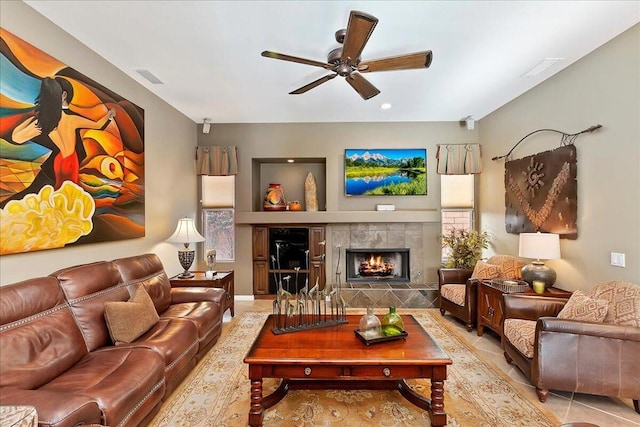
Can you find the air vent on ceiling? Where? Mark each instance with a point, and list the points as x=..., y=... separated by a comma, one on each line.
x=149, y=76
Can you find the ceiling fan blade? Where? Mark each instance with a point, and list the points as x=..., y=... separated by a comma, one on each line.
x=313, y=84
x=362, y=86
x=283, y=57
x=359, y=30
x=400, y=62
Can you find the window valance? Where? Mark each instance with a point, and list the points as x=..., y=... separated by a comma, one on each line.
x=216, y=160
x=459, y=159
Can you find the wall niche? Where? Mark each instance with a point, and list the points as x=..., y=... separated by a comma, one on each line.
x=291, y=176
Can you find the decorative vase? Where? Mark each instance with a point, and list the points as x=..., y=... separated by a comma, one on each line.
x=274, y=198
x=392, y=323
x=370, y=326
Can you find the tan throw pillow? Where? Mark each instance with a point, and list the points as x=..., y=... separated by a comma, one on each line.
x=484, y=271
x=128, y=320
x=582, y=307
x=511, y=266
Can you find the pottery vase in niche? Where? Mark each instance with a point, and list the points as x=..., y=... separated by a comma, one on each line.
x=274, y=198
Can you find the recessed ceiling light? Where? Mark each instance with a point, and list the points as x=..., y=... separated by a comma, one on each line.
x=385, y=106
x=290, y=160
x=541, y=66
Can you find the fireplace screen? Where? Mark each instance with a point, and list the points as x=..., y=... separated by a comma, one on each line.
x=377, y=264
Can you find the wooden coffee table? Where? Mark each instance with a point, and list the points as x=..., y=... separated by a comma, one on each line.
x=334, y=358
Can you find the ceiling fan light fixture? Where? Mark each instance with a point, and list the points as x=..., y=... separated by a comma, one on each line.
x=344, y=61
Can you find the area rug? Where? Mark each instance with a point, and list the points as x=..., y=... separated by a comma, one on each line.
x=477, y=393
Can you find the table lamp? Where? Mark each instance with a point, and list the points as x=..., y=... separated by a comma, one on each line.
x=539, y=246
x=186, y=233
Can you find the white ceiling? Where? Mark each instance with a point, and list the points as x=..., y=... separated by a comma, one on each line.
x=207, y=53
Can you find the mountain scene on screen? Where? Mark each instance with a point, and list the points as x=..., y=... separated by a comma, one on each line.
x=396, y=172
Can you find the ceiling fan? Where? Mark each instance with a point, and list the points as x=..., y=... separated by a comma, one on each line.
x=345, y=60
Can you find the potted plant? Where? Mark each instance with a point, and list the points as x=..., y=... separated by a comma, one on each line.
x=464, y=247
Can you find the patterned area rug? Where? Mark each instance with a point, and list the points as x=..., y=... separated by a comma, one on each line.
x=216, y=393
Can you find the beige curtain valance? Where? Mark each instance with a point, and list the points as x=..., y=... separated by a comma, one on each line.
x=216, y=160
x=459, y=159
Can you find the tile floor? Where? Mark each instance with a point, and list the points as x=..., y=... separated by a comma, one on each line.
x=567, y=407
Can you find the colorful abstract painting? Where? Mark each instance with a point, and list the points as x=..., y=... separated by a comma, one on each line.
x=71, y=155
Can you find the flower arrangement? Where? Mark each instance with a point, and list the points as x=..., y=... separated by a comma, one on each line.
x=464, y=247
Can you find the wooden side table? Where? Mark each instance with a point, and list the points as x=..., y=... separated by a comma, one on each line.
x=490, y=308
x=223, y=279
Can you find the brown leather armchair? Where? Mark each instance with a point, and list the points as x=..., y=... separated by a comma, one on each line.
x=458, y=294
x=459, y=290
x=570, y=355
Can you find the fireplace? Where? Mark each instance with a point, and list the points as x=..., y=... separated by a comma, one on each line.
x=380, y=264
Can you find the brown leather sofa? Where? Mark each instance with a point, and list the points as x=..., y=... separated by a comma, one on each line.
x=575, y=355
x=57, y=354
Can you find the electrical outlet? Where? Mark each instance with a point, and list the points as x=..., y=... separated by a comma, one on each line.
x=617, y=259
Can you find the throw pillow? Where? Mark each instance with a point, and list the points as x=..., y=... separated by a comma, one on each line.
x=511, y=266
x=485, y=271
x=129, y=320
x=581, y=307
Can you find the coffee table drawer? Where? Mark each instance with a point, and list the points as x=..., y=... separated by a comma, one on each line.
x=306, y=371
x=386, y=371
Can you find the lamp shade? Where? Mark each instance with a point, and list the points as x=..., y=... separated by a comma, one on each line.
x=539, y=245
x=186, y=232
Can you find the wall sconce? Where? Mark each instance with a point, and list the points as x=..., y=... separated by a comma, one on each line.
x=469, y=122
x=206, y=126
x=186, y=233
x=539, y=246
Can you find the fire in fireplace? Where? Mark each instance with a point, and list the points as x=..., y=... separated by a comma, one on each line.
x=377, y=264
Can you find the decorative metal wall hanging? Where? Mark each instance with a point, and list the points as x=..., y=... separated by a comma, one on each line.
x=541, y=191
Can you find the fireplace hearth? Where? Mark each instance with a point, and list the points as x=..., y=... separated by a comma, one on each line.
x=379, y=264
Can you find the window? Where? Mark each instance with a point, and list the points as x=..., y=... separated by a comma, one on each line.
x=218, y=216
x=219, y=233
x=457, y=203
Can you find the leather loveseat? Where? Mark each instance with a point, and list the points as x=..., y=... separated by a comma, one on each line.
x=58, y=353
x=587, y=344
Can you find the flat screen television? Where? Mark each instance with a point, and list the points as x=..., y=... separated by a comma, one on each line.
x=385, y=172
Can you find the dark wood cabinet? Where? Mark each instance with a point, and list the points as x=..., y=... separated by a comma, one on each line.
x=222, y=279
x=260, y=278
x=491, y=306
x=307, y=237
x=260, y=245
x=490, y=312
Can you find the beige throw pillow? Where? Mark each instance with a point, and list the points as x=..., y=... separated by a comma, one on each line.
x=129, y=320
x=485, y=271
x=582, y=307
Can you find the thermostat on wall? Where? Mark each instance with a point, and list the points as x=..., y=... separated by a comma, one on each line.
x=385, y=207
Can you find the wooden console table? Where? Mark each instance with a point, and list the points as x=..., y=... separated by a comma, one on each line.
x=490, y=308
x=223, y=279
x=333, y=358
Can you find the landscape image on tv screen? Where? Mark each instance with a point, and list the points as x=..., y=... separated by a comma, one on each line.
x=385, y=172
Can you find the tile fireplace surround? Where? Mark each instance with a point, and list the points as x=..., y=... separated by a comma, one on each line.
x=415, y=294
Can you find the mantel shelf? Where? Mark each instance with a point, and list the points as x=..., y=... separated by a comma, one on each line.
x=337, y=217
